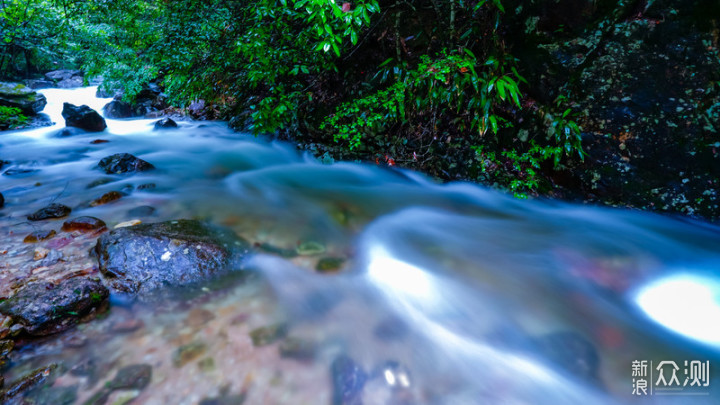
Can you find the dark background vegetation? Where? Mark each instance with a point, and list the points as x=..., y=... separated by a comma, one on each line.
x=607, y=101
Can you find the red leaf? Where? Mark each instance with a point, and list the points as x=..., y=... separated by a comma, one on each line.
x=346, y=7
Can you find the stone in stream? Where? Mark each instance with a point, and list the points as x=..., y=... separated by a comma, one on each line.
x=83, y=224
x=123, y=163
x=348, y=381
x=18, y=96
x=147, y=257
x=26, y=382
x=39, y=236
x=106, y=198
x=83, y=117
x=135, y=376
x=53, y=210
x=2, y=200
x=43, y=309
x=165, y=123
x=118, y=109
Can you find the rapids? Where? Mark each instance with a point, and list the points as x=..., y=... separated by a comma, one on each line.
x=448, y=293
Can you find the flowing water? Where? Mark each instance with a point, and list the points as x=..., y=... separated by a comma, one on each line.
x=447, y=293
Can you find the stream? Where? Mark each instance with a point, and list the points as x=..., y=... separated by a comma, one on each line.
x=369, y=285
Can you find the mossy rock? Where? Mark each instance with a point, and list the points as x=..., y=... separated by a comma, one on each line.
x=19, y=96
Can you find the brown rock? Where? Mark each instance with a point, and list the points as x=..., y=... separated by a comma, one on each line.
x=106, y=198
x=83, y=224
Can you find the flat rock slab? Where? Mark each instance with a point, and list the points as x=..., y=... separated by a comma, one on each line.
x=147, y=257
x=43, y=309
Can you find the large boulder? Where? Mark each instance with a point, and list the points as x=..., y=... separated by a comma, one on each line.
x=124, y=163
x=147, y=257
x=83, y=117
x=19, y=96
x=118, y=109
x=63, y=74
x=43, y=309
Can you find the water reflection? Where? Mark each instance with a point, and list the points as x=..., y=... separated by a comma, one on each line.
x=685, y=303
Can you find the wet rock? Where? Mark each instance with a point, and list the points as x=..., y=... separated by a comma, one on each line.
x=42, y=309
x=187, y=353
x=19, y=96
x=165, y=123
x=40, y=253
x=136, y=376
x=38, y=84
x=99, y=141
x=117, y=109
x=142, y=211
x=53, y=210
x=39, y=236
x=30, y=380
x=572, y=353
x=268, y=248
x=329, y=264
x=83, y=224
x=124, y=163
x=296, y=348
x=106, y=198
x=99, y=182
x=268, y=334
x=2, y=200
x=348, y=380
x=146, y=186
x=52, y=257
x=310, y=248
x=54, y=395
x=146, y=257
x=83, y=117
x=125, y=224
x=6, y=346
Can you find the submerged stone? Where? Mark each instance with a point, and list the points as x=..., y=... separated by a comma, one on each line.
x=268, y=334
x=165, y=123
x=329, y=264
x=147, y=257
x=187, y=353
x=106, y=198
x=124, y=163
x=83, y=224
x=2, y=200
x=26, y=382
x=53, y=210
x=39, y=236
x=348, y=380
x=43, y=309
